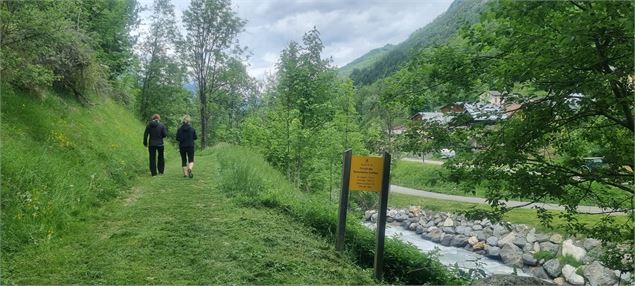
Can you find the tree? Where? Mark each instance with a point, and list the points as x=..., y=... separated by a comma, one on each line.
x=570, y=66
x=212, y=28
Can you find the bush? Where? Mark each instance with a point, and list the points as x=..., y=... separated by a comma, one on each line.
x=403, y=263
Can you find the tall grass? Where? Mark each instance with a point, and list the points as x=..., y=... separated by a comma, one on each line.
x=245, y=176
x=59, y=161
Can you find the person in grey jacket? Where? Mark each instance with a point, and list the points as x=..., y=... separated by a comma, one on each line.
x=156, y=131
x=186, y=136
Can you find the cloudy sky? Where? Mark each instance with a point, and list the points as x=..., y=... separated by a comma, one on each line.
x=348, y=28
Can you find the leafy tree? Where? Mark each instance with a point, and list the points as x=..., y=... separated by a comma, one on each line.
x=212, y=28
x=570, y=65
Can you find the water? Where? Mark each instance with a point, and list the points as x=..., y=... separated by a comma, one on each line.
x=450, y=255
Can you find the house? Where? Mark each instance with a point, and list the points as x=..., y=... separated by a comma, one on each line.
x=432, y=116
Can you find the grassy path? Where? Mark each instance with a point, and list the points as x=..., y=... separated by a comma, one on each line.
x=175, y=230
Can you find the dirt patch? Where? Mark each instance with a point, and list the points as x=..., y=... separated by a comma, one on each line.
x=134, y=195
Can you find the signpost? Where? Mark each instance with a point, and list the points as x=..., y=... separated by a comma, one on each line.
x=370, y=174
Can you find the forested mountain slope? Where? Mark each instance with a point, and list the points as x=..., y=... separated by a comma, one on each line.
x=382, y=62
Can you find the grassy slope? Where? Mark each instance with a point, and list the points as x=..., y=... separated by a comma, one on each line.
x=59, y=161
x=174, y=230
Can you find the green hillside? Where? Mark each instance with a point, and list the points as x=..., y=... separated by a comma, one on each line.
x=375, y=65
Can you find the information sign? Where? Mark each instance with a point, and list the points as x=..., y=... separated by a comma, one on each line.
x=366, y=173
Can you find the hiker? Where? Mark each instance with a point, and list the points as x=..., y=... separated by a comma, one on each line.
x=186, y=136
x=156, y=131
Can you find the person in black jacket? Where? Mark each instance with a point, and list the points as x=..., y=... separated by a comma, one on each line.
x=186, y=136
x=156, y=131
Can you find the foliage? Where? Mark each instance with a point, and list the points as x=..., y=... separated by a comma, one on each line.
x=211, y=42
x=569, y=259
x=162, y=75
x=574, y=83
x=78, y=47
x=403, y=263
x=308, y=118
x=59, y=161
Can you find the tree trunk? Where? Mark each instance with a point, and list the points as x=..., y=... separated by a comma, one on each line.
x=204, y=117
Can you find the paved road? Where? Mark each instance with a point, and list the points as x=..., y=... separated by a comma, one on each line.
x=419, y=193
x=427, y=161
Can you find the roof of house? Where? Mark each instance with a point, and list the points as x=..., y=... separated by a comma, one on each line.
x=432, y=116
x=485, y=112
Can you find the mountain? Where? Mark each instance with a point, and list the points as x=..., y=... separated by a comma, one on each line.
x=382, y=62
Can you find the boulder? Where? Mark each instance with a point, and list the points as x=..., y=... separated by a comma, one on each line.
x=499, y=230
x=529, y=259
x=593, y=254
x=460, y=229
x=568, y=248
x=492, y=240
x=556, y=238
x=373, y=217
x=448, y=229
x=509, y=238
x=493, y=251
x=541, y=237
x=472, y=240
x=459, y=241
x=448, y=222
x=569, y=274
x=549, y=246
x=368, y=214
x=447, y=239
x=479, y=245
x=559, y=281
x=436, y=235
x=591, y=243
x=418, y=228
x=536, y=271
x=531, y=236
x=553, y=268
x=520, y=241
x=599, y=275
x=467, y=230
x=477, y=227
x=536, y=247
x=480, y=235
x=511, y=255
x=509, y=280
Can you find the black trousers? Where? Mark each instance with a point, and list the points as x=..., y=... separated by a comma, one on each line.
x=153, y=150
x=187, y=155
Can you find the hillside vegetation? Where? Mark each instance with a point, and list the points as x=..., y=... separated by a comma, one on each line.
x=59, y=161
x=382, y=62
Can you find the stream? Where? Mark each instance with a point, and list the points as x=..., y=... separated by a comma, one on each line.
x=449, y=255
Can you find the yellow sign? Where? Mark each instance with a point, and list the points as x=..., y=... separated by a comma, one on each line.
x=366, y=174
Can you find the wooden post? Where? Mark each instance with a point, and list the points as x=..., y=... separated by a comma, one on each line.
x=341, y=222
x=381, y=220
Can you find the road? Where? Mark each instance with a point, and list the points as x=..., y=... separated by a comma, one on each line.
x=427, y=161
x=474, y=200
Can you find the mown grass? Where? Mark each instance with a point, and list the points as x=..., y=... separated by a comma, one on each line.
x=247, y=178
x=175, y=230
x=59, y=161
x=517, y=216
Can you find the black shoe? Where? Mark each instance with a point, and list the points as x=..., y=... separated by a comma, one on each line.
x=189, y=173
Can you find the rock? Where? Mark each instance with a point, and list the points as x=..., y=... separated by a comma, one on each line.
x=472, y=240
x=368, y=214
x=429, y=223
x=460, y=229
x=492, y=240
x=390, y=219
x=520, y=241
x=477, y=227
x=459, y=241
x=569, y=249
x=528, y=248
x=599, y=275
x=509, y=280
x=509, y=238
x=373, y=217
x=499, y=230
x=591, y=243
x=553, y=268
x=447, y=239
x=593, y=254
x=531, y=236
x=536, y=247
x=511, y=255
x=541, y=237
x=448, y=229
x=529, y=259
x=493, y=251
x=467, y=230
x=480, y=235
x=479, y=245
x=569, y=274
x=418, y=228
x=556, y=238
x=549, y=246
x=537, y=272
x=448, y=222
x=436, y=235
x=559, y=280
